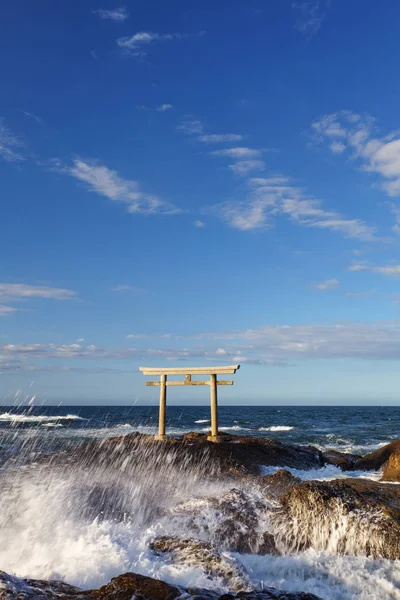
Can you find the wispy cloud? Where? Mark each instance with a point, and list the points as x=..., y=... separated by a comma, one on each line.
x=390, y=270
x=245, y=160
x=199, y=224
x=164, y=107
x=220, y=138
x=116, y=14
x=10, y=145
x=272, y=197
x=348, y=131
x=106, y=182
x=237, y=153
x=18, y=291
x=309, y=16
x=279, y=345
x=126, y=288
x=328, y=284
x=136, y=44
x=6, y=311
x=30, y=115
x=191, y=126
x=363, y=294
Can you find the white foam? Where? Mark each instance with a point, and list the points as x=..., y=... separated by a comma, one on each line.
x=276, y=428
x=327, y=473
x=202, y=421
x=25, y=418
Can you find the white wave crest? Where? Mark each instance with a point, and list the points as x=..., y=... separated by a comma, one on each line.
x=276, y=428
x=203, y=421
x=24, y=418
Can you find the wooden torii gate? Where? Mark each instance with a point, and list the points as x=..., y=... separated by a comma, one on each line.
x=213, y=382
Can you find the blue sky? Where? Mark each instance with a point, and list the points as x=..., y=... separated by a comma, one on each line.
x=200, y=182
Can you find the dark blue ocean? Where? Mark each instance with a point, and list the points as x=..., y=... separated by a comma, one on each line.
x=350, y=429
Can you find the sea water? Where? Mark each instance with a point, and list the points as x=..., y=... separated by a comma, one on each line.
x=52, y=526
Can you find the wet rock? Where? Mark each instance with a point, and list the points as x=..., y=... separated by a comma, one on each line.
x=236, y=521
x=215, y=563
x=13, y=588
x=376, y=460
x=391, y=471
x=239, y=528
x=278, y=484
x=126, y=587
x=131, y=585
x=349, y=516
x=344, y=461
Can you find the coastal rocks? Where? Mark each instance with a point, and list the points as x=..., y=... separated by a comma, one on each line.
x=351, y=516
x=391, y=471
x=376, y=460
x=344, y=461
x=127, y=587
x=131, y=585
x=278, y=484
x=215, y=563
x=13, y=588
x=232, y=455
x=236, y=521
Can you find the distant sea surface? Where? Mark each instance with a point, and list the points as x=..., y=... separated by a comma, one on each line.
x=349, y=429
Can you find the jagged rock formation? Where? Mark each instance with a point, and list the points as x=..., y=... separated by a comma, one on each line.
x=346, y=516
x=127, y=587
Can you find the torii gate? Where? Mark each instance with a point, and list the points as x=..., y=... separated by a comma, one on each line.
x=213, y=372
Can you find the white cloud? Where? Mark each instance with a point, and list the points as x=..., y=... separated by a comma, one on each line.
x=357, y=133
x=309, y=15
x=244, y=167
x=328, y=284
x=199, y=224
x=191, y=126
x=272, y=197
x=9, y=145
x=268, y=345
x=126, y=288
x=245, y=160
x=361, y=294
x=217, y=138
x=390, y=270
x=106, y=182
x=80, y=340
x=15, y=291
x=32, y=116
x=5, y=311
x=164, y=107
x=116, y=14
x=134, y=44
x=237, y=153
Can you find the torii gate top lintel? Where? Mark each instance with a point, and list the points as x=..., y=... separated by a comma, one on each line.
x=213, y=382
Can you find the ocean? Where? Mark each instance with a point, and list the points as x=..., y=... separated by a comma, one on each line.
x=47, y=530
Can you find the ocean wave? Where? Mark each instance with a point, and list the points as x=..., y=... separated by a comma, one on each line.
x=327, y=473
x=55, y=425
x=276, y=428
x=25, y=418
x=203, y=421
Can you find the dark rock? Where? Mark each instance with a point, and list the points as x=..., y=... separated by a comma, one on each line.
x=126, y=587
x=375, y=460
x=131, y=585
x=279, y=483
x=195, y=553
x=348, y=516
x=344, y=461
x=13, y=588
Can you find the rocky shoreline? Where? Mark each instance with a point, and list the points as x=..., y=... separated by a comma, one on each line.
x=350, y=516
